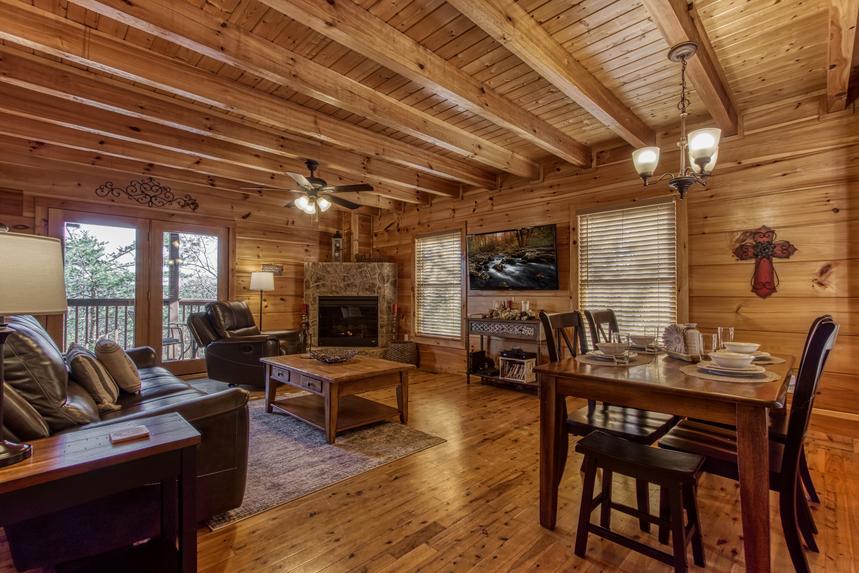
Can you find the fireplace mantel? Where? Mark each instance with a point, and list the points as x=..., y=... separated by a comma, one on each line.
x=351, y=279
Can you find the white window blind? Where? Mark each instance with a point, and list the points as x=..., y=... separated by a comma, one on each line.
x=628, y=263
x=438, y=285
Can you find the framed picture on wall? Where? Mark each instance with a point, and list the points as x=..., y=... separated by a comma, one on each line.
x=517, y=259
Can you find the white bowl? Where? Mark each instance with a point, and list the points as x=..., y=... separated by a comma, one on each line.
x=641, y=341
x=731, y=359
x=612, y=348
x=742, y=347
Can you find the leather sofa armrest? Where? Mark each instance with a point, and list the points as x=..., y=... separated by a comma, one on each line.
x=206, y=406
x=143, y=356
x=291, y=341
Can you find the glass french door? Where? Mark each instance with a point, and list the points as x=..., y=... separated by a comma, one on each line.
x=105, y=276
x=191, y=270
x=136, y=281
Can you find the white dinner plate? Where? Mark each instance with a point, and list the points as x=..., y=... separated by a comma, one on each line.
x=713, y=367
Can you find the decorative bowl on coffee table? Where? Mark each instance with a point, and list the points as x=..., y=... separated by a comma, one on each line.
x=333, y=357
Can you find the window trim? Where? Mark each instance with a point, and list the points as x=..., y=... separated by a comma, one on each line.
x=437, y=339
x=682, y=246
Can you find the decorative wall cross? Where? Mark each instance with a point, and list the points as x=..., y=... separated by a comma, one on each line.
x=761, y=245
x=149, y=192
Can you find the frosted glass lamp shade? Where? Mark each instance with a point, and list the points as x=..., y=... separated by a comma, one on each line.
x=324, y=203
x=303, y=203
x=703, y=144
x=645, y=160
x=31, y=275
x=708, y=168
x=262, y=280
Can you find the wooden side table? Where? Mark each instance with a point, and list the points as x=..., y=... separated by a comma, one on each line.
x=78, y=467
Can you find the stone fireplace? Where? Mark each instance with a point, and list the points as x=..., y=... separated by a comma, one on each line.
x=341, y=298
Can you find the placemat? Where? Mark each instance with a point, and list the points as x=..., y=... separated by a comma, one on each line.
x=692, y=370
x=637, y=361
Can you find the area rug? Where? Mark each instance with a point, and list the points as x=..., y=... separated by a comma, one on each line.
x=289, y=459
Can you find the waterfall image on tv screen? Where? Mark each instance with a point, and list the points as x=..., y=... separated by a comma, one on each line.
x=519, y=259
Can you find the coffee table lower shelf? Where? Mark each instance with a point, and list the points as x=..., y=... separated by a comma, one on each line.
x=353, y=412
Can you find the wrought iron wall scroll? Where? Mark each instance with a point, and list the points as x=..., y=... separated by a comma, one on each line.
x=148, y=192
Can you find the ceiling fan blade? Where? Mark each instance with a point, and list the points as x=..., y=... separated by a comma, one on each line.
x=343, y=202
x=301, y=180
x=356, y=188
x=290, y=203
x=270, y=189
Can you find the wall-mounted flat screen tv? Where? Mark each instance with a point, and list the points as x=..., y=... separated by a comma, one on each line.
x=518, y=259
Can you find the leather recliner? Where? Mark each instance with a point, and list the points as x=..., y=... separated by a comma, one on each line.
x=234, y=344
x=42, y=399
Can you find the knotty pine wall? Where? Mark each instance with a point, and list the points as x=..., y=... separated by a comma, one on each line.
x=793, y=169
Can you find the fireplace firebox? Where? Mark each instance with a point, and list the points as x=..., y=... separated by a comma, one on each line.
x=348, y=321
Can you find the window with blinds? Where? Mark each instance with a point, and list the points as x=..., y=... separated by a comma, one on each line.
x=438, y=285
x=628, y=263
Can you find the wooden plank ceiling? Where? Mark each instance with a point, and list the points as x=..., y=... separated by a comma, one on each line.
x=420, y=98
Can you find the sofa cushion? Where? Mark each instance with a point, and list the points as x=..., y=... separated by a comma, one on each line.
x=119, y=364
x=20, y=420
x=154, y=383
x=36, y=369
x=94, y=377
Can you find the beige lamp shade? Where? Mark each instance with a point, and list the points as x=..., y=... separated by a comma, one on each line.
x=31, y=275
x=262, y=280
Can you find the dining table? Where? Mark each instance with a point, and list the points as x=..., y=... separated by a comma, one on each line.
x=660, y=385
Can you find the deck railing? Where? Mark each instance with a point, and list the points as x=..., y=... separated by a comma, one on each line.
x=90, y=318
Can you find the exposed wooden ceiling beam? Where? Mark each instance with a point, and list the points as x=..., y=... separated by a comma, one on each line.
x=19, y=102
x=44, y=76
x=186, y=25
x=677, y=24
x=70, y=112
x=512, y=27
x=843, y=21
x=30, y=129
x=66, y=181
x=356, y=28
x=45, y=32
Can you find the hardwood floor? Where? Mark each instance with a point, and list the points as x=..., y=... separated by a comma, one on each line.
x=470, y=504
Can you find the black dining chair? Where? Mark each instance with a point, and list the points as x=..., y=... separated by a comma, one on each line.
x=719, y=445
x=641, y=426
x=602, y=324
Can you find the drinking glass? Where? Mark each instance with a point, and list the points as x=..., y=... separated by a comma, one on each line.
x=621, y=359
x=711, y=343
x=726, y=334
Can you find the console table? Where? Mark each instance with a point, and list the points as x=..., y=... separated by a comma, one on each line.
x=77, y=467
x=527, y=331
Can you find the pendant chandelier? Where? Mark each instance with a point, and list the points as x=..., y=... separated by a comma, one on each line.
x=700, y=148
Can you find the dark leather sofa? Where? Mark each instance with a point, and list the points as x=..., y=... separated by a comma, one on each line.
x=42, y=400
x=234, y=344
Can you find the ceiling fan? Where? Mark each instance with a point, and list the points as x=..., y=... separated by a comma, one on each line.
x=318, y=194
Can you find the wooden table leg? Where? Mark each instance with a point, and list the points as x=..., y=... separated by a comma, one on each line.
x=403, y=397
x=552, y=454
x=270, y=389
x=188, y=511
x=753, y=462
x=332, y=404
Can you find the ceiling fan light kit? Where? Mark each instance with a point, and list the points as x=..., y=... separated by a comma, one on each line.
x=700, y=147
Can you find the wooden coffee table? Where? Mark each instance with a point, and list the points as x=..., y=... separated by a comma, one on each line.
x=332, y=404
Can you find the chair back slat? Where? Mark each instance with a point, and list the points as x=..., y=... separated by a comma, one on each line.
x=602, y=324
x=567, y=328
x=818, y=345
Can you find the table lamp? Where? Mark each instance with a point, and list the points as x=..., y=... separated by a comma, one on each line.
x=31, y=282
x=263, y=281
